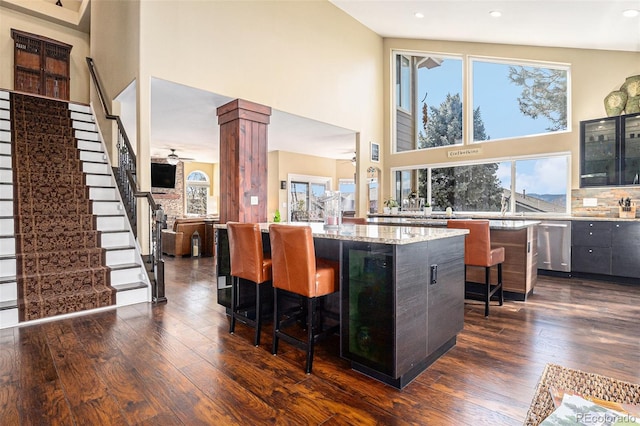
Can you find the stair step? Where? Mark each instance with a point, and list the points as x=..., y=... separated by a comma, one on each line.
x=83, y=134
x=83, y=125
x=8, y=289
x=93, y=157
x=9, y=317
x=6, y=207
x=129, y=286
x=5, y=136
x=106, y=207
x=5, y=161
x=117, y=238
x=125, y=275
x=120, y=255
x=4, y=94
x=80, y=108
x=92, y=146
x=7, y=246
x=99, y=180
x=7, y=226
x=5, y=148
x=96, y=168
x=81, y=116
x=4, y=104
x=6, y=190
x=9, y=304
x=117, y=222
x=98, y=193
x=6, y=175
x=7, y=266
x=5, y=125
x=5, y=114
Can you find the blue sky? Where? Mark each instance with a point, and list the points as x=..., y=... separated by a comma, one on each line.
x=498, y=101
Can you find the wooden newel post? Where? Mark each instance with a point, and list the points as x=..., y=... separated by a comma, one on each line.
x=243, y=161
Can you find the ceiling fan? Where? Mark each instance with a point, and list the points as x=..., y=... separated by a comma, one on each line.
x=174, y=159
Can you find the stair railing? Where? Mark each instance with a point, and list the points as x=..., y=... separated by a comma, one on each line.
x=125, y=175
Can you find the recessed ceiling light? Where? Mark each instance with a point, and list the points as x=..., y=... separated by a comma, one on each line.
x=495, y=13
x=631, y=13
x=419, y=15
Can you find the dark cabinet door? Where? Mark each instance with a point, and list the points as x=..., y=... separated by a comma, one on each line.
x=446, y=291
x=592, y=260
x=625, y=249
x=41, y=65
x=591, y=234
x=610, y=151
x=630, y=150
x=599, y=152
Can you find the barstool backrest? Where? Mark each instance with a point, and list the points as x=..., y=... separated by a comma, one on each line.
x=294, y=259
x=246, y=252
x=477, y=245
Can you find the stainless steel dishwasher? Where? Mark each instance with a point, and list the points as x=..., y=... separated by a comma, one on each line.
x=554, y=245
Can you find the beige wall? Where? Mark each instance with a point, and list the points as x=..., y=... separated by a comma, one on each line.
x=328, y=68
x=79, y=74
x=594, y=73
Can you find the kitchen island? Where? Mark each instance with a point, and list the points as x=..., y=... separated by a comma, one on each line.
x=518, y=237
x=401, y=300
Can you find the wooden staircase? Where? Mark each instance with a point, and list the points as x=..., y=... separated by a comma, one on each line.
x=116, y=248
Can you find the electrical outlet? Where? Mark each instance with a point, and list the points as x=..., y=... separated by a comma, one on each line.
x=254, y=200
x=589, y=202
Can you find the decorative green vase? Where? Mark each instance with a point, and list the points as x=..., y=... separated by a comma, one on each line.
x=614, y=102
x=633, y=105
x=631, y=86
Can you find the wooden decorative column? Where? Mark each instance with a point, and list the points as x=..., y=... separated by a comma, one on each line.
x=243, y=161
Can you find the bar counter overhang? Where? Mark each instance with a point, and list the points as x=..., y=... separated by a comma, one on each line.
x=401, y=299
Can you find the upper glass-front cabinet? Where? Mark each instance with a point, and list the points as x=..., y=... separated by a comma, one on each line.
x=610, y=151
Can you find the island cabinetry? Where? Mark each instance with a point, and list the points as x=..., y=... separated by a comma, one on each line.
x=625, y=249
x=591, y=247
x=402, y=306
x=520, y=267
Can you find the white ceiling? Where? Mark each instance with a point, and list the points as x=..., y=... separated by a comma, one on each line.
x=185, y=118
x=587, y=24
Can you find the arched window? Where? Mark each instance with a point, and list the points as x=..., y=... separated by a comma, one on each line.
x=197, y=192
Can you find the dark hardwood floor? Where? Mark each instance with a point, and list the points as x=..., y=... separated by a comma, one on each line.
x=177, y=364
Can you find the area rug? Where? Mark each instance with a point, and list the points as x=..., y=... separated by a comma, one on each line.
x=587, y=384
x=60, y=266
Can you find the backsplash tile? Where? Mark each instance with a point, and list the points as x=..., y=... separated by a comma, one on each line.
x=607, y=200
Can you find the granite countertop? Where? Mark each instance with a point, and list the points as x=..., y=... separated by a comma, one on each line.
x=425, y=221
x=528, y=216
x=396, y=235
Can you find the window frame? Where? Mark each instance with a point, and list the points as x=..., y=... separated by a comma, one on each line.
x=200, y=184
x=469, y=107
x=513, y=160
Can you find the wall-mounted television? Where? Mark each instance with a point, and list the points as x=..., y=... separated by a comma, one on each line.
x=163, y=175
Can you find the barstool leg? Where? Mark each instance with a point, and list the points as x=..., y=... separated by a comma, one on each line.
x=311, y=305
x=276, y=322
x=234, y=290
x=256, y=340
x=500, y=282
x=487, y=280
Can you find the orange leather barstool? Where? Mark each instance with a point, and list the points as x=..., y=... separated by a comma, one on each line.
x=478, y=252
x=355, y=220
x=247, y=261
x=297, y=270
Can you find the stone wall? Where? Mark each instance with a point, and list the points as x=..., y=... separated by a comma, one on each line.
x=607, y=200
x=172, y=200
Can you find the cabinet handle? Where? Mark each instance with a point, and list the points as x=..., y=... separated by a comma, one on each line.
x=434, y=275
x=590, y=251
x=590, y=233
x=617, y=225
x=591, y=224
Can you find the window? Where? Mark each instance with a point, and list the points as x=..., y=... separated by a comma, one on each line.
x=197, y=192
x=429, y=105
x=510, y=99
x=534, y=185
x=403, y=82
x=305, y=203
x=347, y=188
x=514, y=100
